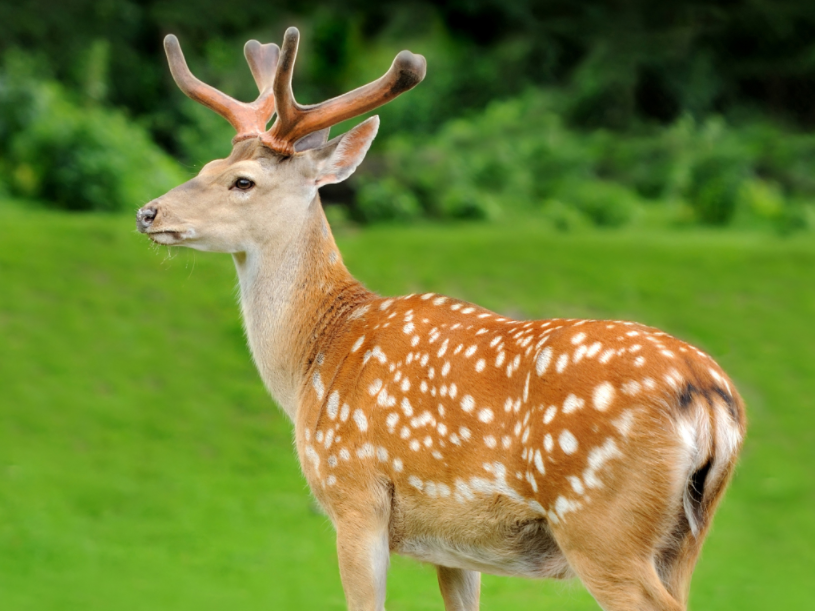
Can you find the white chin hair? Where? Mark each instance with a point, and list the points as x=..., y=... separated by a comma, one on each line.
x=168, y=238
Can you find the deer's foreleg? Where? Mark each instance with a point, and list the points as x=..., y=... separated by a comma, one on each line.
x=364, y=556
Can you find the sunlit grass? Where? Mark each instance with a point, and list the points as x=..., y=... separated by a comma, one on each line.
x=142, y=465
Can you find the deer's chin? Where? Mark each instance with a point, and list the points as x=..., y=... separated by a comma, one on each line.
x=171, y=238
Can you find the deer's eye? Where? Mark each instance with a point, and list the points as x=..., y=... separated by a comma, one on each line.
x=244, y=184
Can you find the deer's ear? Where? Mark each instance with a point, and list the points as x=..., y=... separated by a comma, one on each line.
x=337, y=159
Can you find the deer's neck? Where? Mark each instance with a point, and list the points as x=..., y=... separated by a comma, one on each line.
x=296, y=295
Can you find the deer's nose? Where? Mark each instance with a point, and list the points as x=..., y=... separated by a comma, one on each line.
x=145, y=216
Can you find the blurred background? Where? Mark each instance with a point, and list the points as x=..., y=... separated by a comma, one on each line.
x=591, y=158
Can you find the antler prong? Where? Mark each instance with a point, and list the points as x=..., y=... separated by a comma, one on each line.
x=262, y=60
x=294, y=121
x=272, y=69
x=249, y=120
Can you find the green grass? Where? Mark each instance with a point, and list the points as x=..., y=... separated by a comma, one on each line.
x=142, y=465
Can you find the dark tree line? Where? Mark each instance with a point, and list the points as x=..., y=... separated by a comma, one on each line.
x=626, y=60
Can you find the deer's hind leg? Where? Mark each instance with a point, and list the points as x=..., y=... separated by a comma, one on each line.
x=614, y=539
x=460, y=588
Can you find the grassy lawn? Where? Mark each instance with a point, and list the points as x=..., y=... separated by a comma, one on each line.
x=143, y=466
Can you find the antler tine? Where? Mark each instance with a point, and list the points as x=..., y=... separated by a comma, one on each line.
x=262, y=60
x=287, y=108
x=196, y=89
x=249, y=120
x=295, y=121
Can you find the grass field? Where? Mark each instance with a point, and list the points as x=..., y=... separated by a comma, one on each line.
x=143, y=467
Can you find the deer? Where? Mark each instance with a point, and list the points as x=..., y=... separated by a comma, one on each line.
x=433, y=428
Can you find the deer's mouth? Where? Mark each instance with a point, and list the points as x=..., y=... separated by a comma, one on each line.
x=170, y=237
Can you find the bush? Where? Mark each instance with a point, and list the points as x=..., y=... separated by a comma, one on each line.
x=518, y=156
x=72, y=156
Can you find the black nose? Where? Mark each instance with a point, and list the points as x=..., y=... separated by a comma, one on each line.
x=145, y=217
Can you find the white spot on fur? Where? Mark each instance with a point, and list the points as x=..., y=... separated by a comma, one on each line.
x=624, y=422
x=539, y=462
x=568, y=442
x=485, y=415
x=479, y=366
x=391, y=421
x=593, y=349
x=564, y=506
x=577, y=485
x=562, y=361
x=398, y=465
x=361, y=420
x=415, y=482
x=550, y=414
x=548, y=443
x=344, y=412
x=358, y=344
x=470, y=351
x=572, y=403
x=317, y=383
x=631, y=388
x=333, y=405
x=603, y=396
x=490, y=441
x=375, y=387
x=467, y=403
x=597, y=458
x=577, y=339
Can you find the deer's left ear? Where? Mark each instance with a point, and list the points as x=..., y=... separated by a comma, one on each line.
x=337, y=159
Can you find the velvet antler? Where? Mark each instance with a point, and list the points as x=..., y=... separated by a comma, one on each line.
x=295, y=121
x=249, y=120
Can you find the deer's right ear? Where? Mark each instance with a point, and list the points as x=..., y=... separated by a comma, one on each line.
x=337, y=159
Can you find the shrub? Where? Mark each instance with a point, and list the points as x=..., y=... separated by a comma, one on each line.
x=518, y=156
x=72, y=156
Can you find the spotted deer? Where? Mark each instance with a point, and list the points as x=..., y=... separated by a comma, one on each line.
x=434, y=428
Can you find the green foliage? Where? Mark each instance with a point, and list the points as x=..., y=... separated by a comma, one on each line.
x=519, y=156
x=73, y=156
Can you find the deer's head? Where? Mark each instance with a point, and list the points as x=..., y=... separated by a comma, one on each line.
x=271, y=176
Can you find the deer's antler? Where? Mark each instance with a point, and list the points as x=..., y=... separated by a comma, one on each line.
x=248, y=119
x=295, y=121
